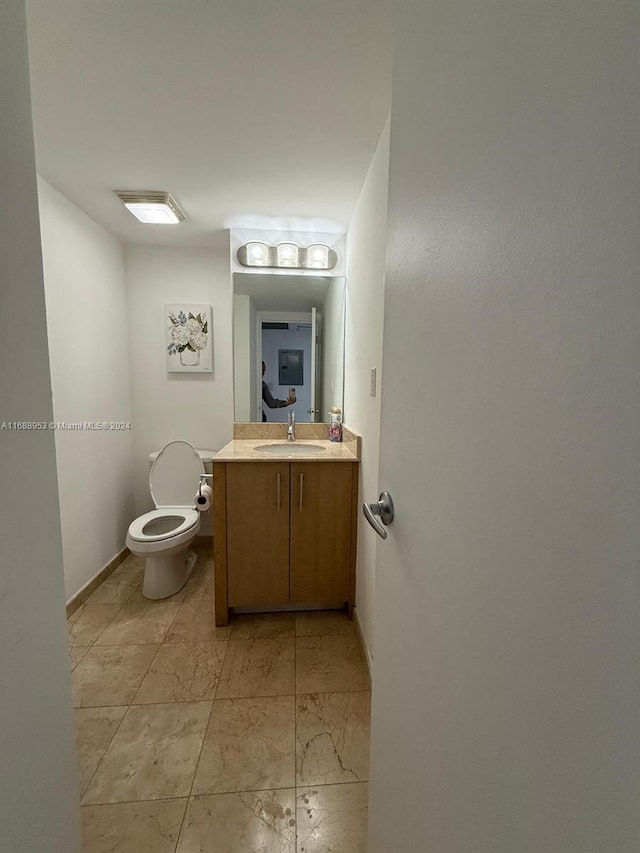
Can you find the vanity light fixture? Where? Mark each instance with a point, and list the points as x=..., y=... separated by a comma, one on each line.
x=287, y=255
x=152, y=207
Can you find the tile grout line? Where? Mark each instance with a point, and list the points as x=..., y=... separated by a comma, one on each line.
x=144, y=675
x=105, y=627
x=195, y=772
x=223, y=699
x=117, y=729
x=222, y=794
x=204, y=737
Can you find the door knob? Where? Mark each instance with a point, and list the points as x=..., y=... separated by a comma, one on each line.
x=382, y=508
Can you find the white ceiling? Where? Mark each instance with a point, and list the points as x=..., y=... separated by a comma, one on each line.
x=248, y=111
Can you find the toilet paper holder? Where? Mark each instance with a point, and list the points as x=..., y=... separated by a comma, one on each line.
x=203, y=477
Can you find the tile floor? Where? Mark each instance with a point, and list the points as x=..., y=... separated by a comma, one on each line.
x=193, y=739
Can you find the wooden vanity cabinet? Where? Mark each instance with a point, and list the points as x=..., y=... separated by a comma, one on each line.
x=284, y=534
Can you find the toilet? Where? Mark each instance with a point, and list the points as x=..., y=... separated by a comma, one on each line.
x=163, y=535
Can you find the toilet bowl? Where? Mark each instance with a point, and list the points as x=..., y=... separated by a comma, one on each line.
x=163, y=535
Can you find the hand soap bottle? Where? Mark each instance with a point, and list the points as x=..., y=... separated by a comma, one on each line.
x=335, y=424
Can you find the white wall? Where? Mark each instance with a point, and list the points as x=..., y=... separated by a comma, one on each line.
x=197, y=407
x=38, y=776
x=89, y=354
x=506, y=690
x=366, y=244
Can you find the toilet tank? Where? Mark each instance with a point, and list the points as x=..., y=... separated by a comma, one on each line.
x=206, y=520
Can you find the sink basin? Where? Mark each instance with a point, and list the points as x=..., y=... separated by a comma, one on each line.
x=290, y=448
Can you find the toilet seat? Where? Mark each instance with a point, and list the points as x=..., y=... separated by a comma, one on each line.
x=190, y=517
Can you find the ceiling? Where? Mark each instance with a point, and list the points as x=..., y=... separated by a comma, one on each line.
x=250, y=112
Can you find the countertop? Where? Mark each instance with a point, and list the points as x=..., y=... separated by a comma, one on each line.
x=243, y=450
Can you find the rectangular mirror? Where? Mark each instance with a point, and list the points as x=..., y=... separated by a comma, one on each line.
x=295, y=325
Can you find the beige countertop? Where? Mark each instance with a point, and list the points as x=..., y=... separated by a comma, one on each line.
x=244, y=450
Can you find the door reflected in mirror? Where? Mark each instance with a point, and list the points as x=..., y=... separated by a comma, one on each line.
x=288, y=346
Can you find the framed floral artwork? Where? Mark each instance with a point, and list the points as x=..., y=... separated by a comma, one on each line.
x=189, y=339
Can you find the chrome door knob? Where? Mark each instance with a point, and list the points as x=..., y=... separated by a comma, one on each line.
x=382, y=509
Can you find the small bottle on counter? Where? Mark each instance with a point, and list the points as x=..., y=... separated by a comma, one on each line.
x=335, y=424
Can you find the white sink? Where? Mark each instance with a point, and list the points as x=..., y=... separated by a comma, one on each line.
x=289, y=448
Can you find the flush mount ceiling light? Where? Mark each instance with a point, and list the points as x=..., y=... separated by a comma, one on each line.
x=287, y=256
x=151, y=207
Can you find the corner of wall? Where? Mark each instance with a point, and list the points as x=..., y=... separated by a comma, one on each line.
x=366, y=241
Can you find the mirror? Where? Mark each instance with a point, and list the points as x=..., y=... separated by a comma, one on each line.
x=274, y=318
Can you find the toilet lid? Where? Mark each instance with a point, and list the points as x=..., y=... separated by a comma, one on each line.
x=175, y=475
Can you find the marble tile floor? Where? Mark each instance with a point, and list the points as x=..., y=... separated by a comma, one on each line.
x=252, y=738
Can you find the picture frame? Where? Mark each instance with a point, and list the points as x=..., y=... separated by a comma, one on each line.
x=188, y=338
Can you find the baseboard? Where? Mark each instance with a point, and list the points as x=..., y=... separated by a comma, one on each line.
x=363, y=643
x=82, y=595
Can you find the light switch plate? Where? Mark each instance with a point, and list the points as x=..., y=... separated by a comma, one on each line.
x=372, y=382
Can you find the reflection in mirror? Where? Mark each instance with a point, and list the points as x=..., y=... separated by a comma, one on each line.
x=276, y=319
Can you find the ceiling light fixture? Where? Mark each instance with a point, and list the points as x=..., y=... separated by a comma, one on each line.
x=152, y=207
x=317, y=256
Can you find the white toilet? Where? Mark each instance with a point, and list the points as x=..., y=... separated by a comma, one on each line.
x=163, y=535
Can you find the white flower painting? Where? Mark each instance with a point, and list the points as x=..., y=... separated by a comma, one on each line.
x=188, y=338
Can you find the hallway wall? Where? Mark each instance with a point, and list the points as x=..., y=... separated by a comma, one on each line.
x=38, y=779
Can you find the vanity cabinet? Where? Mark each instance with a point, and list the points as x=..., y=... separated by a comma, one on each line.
x=285, y=534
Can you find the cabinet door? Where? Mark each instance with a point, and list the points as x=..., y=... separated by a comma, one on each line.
x=320, y=531
x=258, y=533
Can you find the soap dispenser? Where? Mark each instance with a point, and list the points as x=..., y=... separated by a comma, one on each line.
x=335, y=424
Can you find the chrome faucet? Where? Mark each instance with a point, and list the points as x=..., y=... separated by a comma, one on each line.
x=291, y=429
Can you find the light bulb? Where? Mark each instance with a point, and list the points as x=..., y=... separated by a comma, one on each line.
x=318, y=256
x=257, y=254
x=287, y=254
